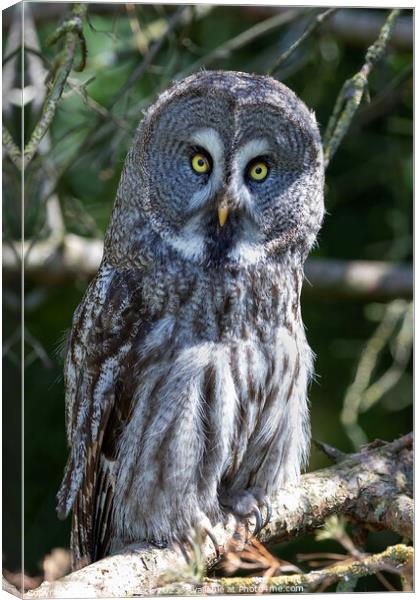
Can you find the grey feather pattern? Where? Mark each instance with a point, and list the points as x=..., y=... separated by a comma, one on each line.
x=187, y=372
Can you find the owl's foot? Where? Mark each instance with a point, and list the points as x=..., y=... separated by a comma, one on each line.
x=247, y=504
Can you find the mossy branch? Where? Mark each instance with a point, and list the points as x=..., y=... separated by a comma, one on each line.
x=355, y=487
x=74, y=26
x=12, y=149
x=394, y=558
x=353, y=90
x=72, y=31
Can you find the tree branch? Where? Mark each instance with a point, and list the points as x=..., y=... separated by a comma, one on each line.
x=53, y=261
x=393, y=558
x=12, y=149
x=359, y=27
x=374, y=484
x=355, y=27
x=72, y=30
x=353, y=90
x=369, y=478
x=359, y=278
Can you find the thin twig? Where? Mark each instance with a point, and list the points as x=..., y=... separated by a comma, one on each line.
x=382, y=579
x=244, y=38
x=51, y=101
x=320, y=559
x=173, y=22
x=72, y=30
x=335, y=529
x=11, y=340
x=139, y=37
x=333, y=453
x=101, y=111
x=353, y=90
x=401, y=355
x=394, y=558
x=362, y=394
x=313, y=26
x=38, y=351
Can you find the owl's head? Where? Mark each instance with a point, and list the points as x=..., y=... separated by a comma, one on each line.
x=226, y=167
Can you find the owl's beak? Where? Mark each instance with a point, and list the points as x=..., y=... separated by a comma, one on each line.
x=222, y=212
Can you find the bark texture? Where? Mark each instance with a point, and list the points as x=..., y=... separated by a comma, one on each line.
x=373, y=486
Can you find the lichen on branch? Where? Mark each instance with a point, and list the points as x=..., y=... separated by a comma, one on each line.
x=72, y=31
x=353, y=90
x=355, y=487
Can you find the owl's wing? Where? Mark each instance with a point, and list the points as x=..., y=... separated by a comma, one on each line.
x=104, y=326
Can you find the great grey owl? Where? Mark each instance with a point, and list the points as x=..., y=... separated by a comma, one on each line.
x=187, y=370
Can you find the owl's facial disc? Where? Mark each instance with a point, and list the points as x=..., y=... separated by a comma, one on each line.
x=220, y=219
x=232, y=176
x=225, y=167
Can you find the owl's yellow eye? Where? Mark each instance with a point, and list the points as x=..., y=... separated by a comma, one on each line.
x=200, y=163
x=258, y=171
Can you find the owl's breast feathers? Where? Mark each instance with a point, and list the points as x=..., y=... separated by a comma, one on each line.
x=187, y=368
x=186, y=380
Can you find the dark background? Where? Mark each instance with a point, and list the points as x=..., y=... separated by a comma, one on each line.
x=368, y=199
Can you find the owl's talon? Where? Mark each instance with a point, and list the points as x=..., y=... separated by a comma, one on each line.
x=246, y=527
x=161, y=544
x=182, y=543
x=213, y=539
x=269, y=512
x=258, y=521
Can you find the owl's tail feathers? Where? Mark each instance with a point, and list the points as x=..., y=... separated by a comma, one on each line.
x=72, y=481
x=80, y=542
x=64, y=496
x=102, y=506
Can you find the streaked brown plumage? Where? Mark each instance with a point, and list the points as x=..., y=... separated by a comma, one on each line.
x=187, y=371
